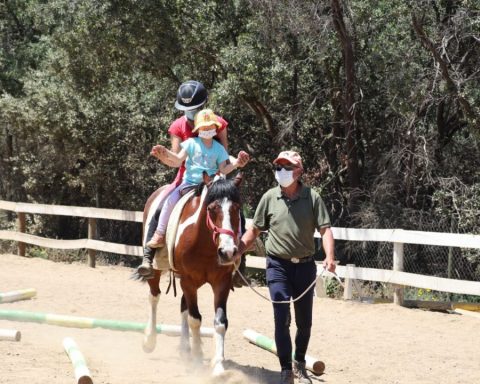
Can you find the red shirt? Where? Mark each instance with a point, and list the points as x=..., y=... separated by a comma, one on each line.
x=182, y=128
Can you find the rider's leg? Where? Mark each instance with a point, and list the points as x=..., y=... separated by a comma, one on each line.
x=158, y=239
x=145, y=269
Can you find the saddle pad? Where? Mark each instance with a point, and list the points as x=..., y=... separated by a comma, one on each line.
x=164, y=256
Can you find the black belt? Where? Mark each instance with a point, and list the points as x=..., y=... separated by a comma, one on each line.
x=295, y=260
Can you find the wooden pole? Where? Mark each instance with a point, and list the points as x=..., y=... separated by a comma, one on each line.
x=348, y=291
x=314, y=365
x=398, y=266
x=21, y=294
x=81, y=371
x=88, y=322
x=21, y=228
x=92, y=230
x=10, y=334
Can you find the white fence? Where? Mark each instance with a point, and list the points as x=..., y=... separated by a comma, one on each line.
x=396, y=236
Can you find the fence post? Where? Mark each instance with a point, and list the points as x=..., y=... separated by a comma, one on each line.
x=92, y=229
x=348, y=291
x=21, y=228
x=398, y=266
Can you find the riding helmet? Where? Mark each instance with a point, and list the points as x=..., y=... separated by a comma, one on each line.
x=191, y=95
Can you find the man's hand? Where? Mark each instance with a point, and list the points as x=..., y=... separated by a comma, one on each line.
x=329, y=265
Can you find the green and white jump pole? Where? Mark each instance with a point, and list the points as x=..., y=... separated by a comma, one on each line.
x=87, y=322
x=314, y=365
x=10, y=334
x=81, y=371
x=22, y=294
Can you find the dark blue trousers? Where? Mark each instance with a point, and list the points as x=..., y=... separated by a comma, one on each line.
x=288, y=280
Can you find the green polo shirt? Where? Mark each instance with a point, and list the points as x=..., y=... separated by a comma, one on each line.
x=291, y=223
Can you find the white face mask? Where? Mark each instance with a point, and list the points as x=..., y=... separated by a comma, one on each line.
x=284, y=177
x=210, y=134
x=190, y=115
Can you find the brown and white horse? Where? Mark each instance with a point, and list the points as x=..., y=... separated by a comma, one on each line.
x=205, y=243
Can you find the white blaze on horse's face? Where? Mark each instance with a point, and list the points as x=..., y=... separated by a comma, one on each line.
x=226, y=245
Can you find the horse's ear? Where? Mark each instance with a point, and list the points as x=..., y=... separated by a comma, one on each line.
x=238, y=179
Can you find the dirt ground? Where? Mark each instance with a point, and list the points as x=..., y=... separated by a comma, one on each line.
x=359, y=343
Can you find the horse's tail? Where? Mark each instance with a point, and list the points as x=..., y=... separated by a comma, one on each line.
x=138, y=277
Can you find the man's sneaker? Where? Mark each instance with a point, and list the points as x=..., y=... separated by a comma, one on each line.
x=157, y=241
x=286, y=377
x=300, y=372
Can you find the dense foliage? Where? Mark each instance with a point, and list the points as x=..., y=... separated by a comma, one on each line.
x=382, y=99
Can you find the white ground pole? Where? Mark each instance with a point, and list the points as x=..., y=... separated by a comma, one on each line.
x=22, y=294
x=82, y=373
x=10, y=334
x=314, y=365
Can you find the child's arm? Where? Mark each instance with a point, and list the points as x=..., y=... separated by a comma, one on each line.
x=168, y=157
x=229, y=165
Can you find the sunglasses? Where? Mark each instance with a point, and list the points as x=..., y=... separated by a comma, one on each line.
x=284, y=166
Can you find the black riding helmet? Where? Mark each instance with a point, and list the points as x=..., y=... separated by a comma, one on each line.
x=191, y=95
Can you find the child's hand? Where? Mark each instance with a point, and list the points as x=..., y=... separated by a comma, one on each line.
x=159, y=151
x=242, y=159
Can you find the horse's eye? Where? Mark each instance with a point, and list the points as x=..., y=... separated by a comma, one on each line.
x=212, y=206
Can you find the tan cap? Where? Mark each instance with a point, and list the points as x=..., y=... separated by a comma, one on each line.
x=205, y=118
x=290, y=156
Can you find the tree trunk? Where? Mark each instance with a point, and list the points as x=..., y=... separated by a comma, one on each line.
x=348, y=108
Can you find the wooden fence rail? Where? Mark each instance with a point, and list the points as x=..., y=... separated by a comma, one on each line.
x=396, y=236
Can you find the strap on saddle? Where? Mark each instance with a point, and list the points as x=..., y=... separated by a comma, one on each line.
x=171, y=283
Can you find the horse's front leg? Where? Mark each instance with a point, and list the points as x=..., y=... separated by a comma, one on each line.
x=221, y=292
x=194, y=318
x=150, y=335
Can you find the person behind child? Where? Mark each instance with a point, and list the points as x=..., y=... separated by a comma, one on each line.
x=191, y=98
x=201, y=154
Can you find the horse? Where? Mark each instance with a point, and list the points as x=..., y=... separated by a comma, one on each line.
x=205, y=243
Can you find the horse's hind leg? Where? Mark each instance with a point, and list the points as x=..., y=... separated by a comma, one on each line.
x=150, y=336
x=185, y=332
x=194, y=319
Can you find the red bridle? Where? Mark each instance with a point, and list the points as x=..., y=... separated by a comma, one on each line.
x=217, y=231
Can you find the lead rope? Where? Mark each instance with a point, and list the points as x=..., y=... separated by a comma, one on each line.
x=291, y=300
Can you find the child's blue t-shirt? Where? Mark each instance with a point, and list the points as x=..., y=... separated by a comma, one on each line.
x=200, y=158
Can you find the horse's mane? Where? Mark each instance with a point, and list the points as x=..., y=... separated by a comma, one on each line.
x=222, y=188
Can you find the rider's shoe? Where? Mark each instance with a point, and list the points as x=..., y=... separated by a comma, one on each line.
x=157, y=241
x=146, y=269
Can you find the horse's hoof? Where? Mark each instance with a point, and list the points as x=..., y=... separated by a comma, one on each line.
x=218, y=370
x=184, y=351
x=148, y=346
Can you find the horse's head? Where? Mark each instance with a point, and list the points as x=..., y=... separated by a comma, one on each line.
x=223, y=216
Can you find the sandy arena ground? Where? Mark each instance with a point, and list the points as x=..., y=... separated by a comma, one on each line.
x=360, y=343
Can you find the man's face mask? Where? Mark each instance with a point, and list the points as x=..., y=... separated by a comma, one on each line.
x=284, y=176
